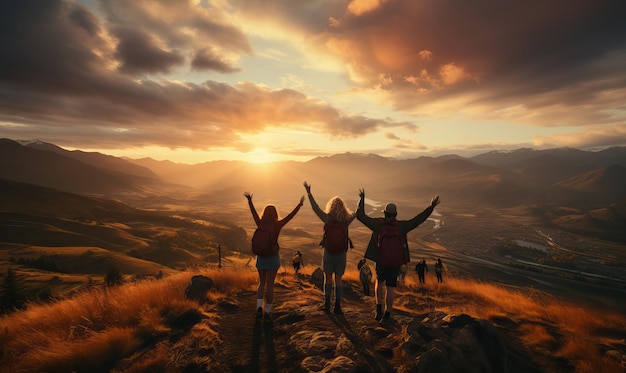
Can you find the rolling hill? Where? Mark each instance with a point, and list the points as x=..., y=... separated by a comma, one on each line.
x=47, y=232
x=147, y=217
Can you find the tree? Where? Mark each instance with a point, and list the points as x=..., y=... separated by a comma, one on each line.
x=113, y=277
x=12, y=293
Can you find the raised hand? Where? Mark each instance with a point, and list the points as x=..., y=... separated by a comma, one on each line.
x=435, y=201
x=307, y=186
x=301, y=200
x=248, y=195
x=362, y=193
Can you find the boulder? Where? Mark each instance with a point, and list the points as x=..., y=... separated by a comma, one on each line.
x=444, y=343
x=198, y=287
x=317, y=278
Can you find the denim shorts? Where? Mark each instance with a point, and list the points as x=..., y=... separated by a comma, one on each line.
x=268, y=263
x=387, y=275
x=334, y=263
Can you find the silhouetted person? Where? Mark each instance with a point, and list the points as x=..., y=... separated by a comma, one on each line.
x=403, y=269
x=421, y=268
x=267, y=266
x=297, y=262
x=337, y=218
x=439, y=270
x=365, y=275
x=385, y=231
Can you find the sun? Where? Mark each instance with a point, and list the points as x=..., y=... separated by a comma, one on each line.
x=261, y=155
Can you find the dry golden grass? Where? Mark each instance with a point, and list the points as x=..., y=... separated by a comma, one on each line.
x=572, y=331
x=97, y=329
x=488, y=300
x=102, y=325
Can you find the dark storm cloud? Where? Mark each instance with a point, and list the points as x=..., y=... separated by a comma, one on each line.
x=545, y=57
x=43, y=46
x=205, y=59
x=497, y=54
x=154, y=35
x=67, y=72
x=138, y=54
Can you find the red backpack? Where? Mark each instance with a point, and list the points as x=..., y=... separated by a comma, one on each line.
x=391, y=246
x=264, y=240
x=336, y=238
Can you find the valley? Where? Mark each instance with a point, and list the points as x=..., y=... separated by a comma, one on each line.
x=504, y=217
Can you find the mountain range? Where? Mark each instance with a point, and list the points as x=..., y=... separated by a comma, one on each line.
x=585, y=178
x=591, y=183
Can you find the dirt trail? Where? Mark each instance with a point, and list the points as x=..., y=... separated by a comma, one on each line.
x=303, y=338
x=300, y=330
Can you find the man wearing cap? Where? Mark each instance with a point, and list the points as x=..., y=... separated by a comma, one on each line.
x=387, y=277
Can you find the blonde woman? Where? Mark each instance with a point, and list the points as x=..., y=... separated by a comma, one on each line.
x=336, y=218
x=267, y=266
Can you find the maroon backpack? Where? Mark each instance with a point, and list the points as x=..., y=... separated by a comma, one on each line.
x=336, y=238
x=264, y=241
x=391, y=245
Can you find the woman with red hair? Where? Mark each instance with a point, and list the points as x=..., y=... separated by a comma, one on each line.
x=267, y=266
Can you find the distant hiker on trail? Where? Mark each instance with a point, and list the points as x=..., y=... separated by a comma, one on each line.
x=335, y=242
x=402, y=273
x=265, y=247
x=389, y=249
x=365, y=275
x=421, y=268
x=297, y=262
x=439, y=270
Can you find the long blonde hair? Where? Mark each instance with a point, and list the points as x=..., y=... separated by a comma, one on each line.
x=337, y=210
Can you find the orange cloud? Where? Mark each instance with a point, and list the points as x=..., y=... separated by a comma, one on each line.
x=451, y=73
x=360, y=7
x=594, y=137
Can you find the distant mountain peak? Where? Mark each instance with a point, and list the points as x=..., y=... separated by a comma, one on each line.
x=42, y=145
x=354, y=156
x=511, y=151
x=30, y=142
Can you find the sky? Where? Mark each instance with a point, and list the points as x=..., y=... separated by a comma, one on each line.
x=193, y=81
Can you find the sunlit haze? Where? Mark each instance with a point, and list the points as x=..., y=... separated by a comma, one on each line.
x=200, y=80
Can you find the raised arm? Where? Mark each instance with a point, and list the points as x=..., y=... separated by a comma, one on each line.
x=316, y=208
x=255, y=215
x=293, y=213
x=360, y=212
x=422, y=216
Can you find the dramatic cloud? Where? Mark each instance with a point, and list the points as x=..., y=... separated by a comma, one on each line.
x=89, y=84
x=594, y=137
x=478, y=55
x=208, y=73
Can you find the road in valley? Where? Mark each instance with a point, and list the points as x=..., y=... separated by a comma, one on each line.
x=484, y=268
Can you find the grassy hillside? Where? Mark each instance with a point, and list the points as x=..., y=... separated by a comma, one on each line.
x=150, y=326
x=74, y=239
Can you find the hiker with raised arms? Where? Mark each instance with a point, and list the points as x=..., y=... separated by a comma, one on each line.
x=335, y=243
x=265, y=247
x=388, y=247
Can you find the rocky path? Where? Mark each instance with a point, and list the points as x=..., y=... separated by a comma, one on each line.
x=303, y=338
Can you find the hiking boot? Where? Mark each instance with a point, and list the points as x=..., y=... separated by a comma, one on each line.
x=379, y=312
x=338, y=310
x=326, y=307
x=259, y=313
x=267, y=317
